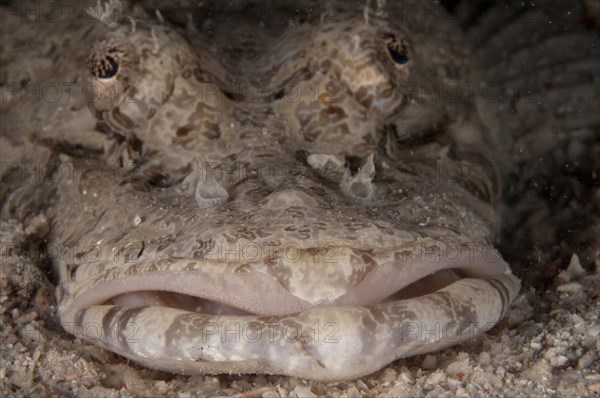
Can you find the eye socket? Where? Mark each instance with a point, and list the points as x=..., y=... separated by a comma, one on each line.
x=397, y=49
x=104, y=63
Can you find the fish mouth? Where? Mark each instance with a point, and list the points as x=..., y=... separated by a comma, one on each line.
x=189, y=321
x=280, y=287
x=225, y=303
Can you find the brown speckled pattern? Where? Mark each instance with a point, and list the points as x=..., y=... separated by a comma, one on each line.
x=242, y=255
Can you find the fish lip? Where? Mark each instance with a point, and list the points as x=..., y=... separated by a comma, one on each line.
x=366, y=338
x=257, y=292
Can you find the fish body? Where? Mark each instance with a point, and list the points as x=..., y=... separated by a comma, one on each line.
x=319, y=208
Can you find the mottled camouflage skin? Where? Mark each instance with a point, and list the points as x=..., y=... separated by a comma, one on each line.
x=272, y=229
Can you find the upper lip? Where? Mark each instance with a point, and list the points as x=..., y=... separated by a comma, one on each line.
x=254, y=290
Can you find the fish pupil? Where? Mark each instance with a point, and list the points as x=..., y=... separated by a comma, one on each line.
x=398, y=57
x=109, y=68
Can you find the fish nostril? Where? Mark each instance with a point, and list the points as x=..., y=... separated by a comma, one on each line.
x=209, y=192
x=353, y=163
x=360, y=187
x=359, y=190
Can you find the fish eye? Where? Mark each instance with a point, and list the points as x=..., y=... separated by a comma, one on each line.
x=103, y=63
x=397, y=49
